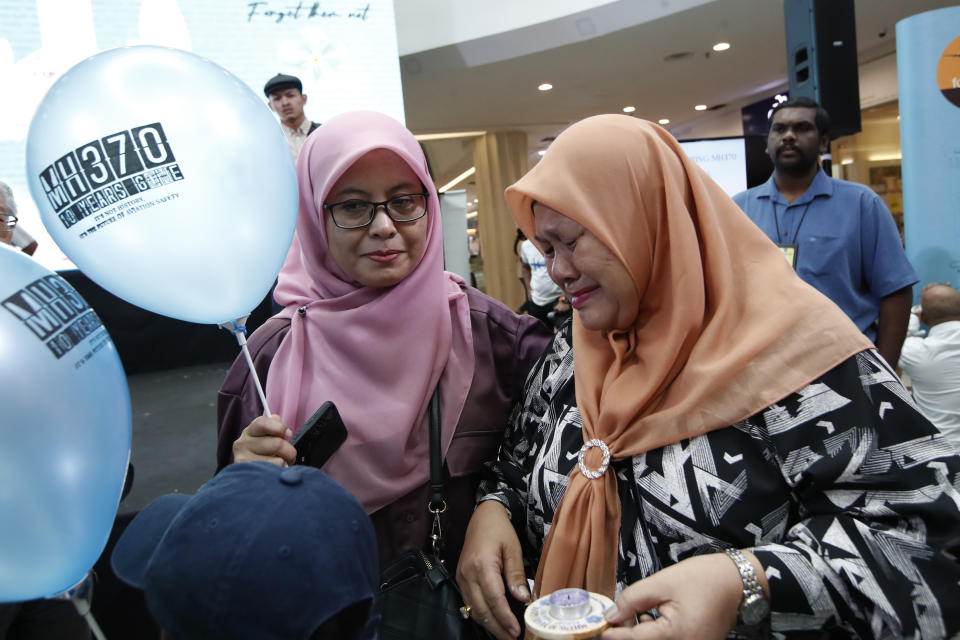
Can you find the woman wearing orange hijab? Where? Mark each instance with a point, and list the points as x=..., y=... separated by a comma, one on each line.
x=729, y=455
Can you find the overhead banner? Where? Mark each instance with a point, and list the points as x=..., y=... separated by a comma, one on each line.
x=928, y=66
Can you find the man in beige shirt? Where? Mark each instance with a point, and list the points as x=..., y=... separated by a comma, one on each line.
x=286, y=96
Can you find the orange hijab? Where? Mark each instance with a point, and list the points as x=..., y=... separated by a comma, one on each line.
x=725, y=327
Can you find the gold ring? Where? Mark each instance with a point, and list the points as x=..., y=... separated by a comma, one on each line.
x=465, y=611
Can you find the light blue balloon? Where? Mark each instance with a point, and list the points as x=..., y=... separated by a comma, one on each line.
x=166, y=179
x=64, y=429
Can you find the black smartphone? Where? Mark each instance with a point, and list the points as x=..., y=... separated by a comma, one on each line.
x=320, y=436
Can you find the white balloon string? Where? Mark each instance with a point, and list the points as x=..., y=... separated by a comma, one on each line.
x=239, y=329
x=253, y=372
x=83, y=608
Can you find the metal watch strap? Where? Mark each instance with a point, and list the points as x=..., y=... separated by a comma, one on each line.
x=752, y=591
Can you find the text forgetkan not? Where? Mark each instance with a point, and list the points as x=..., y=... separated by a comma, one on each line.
x=300, y=11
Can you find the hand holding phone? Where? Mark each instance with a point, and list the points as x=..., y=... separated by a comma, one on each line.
x=320, y=436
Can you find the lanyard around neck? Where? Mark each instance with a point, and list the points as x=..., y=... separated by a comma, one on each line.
x=796, y=231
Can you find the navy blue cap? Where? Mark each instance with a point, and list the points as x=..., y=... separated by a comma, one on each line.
x=260, y=553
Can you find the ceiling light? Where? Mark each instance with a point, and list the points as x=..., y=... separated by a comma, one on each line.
x=471, y=231
x=701, y=107
x=846, y=161
x=451, y=134
x=460, y=178
x=476, y=200
x=664, y=120
x=721, y=46
x=546, y=86
x=884, y=157
x=472, y=214
x=629, y=109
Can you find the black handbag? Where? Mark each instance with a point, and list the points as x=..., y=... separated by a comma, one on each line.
x=419, y=599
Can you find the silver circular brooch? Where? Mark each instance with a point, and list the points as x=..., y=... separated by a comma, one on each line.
x=596, y=473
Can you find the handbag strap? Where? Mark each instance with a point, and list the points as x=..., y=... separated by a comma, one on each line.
x=436, y=505
x=436, y=458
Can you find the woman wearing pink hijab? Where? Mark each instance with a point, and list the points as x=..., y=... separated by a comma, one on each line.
x=372, y=322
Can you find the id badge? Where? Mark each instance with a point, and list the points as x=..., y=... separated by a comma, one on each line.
x=790, y=253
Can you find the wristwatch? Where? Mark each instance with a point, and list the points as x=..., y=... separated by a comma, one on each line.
x=754, y=607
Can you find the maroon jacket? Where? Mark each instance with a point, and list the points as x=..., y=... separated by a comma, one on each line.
x=505, y=346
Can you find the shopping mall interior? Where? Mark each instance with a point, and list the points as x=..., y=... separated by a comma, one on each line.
x=691, y=66
x=485, y=87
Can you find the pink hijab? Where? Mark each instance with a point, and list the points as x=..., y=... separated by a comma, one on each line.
x=377, y=353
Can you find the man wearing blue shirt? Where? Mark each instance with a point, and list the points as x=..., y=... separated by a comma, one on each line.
x=839, y=235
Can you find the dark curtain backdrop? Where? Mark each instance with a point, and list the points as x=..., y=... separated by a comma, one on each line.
x=147, y=341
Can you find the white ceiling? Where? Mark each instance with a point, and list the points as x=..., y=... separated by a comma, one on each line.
x=445, y=89
x=428, y=24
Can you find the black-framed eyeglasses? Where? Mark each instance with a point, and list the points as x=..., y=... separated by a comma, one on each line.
x=354, y=214
x=9, y=221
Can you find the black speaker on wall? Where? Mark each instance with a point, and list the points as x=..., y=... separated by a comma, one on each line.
x=822, y=58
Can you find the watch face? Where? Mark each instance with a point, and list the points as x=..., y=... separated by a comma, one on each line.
x=754, y=609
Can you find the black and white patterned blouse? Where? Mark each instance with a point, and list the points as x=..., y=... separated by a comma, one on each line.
x=845, y=493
